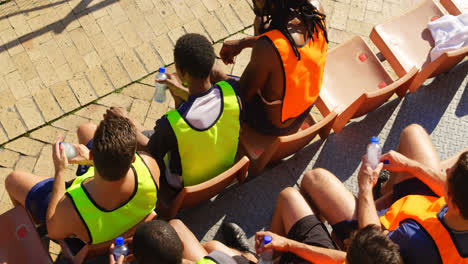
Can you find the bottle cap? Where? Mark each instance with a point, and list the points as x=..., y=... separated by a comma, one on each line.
x=162, y=70
x=375, y=140
x=119, y=241
x=266, y=239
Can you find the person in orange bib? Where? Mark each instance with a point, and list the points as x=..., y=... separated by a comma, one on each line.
x=283, y=78
x=424, y=207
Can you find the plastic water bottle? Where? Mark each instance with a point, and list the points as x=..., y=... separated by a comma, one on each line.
x=374, y=152
x=266, y=257
x=70, y=151
x=160, y=93
x=120, y=248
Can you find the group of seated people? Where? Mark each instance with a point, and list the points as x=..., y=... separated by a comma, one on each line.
x=421, y=216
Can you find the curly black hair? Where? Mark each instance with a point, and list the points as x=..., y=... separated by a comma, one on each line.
x=194, y=54
x=281, y=14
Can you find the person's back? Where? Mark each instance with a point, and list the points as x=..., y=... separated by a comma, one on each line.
x=284, y=77
x=199, y=139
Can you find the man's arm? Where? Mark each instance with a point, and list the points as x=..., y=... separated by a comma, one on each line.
x=435, y=179
x=256, y=73
x=367, y=178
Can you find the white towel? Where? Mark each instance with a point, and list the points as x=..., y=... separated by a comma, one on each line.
x=449, y=33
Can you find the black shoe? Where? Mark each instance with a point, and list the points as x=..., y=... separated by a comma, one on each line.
x=383, y=178
x=235, y=237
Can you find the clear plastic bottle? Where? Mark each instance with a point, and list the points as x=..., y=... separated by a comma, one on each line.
x=374, y=152
x=120, y=248
x=160, y=93
x=266, y=257
x=70, y=151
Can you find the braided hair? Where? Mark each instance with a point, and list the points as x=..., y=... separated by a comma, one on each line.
x=279, y=18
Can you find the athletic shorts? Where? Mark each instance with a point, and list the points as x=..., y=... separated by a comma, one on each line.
x=308, y=230
x=411, y=186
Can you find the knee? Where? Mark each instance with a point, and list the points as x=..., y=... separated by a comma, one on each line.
x=212, y=245
x=288, y=194
x=411, y=131
x=11, y=179
x=86, y=129
x=314, y=178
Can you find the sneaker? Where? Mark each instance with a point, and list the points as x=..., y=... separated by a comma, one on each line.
x=235, y=237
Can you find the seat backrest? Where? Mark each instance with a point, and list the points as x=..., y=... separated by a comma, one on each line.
x=455, y=7
x=20, y=242
x=410, y=47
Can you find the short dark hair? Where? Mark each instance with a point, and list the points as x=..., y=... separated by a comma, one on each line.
x=157, y=242
x=370, y=246
x=114, y=147
x=194, y=54
x=458, y=184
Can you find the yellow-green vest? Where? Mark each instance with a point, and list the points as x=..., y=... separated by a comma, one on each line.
x=207, y=153
x=104, y=225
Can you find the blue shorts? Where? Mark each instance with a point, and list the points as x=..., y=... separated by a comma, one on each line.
x=411, y=186
x=37, y=200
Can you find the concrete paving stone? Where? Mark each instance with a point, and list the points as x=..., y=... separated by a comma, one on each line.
x=25, y=146
x=144, y=31
x=108, y=28
x=3, y=174
x=48, y=107
x=102, y=46
x=390, y=9
x=9, y=37
x=211, y=5
x=4, y=24
x=199, y=10
x=35, y=85
x=241, y=61
x=145, y=4
x=164, y=8
x=5, y=93
x=82, y=90
x=5, y=204
x=138, y=110
x=8, y=158
x=63, y=40
x=92, y=59
x=244, y=12
x=65, y=96
x=175, y=34
x=229, y=19
x=69, y=20
x=148, y=56
x=156, y=23
x=81, y=41
x=54, y=248
x=338, y=36
x=340, y=16
x=149, y=123
x=191, y=3
x=64, y=72
x=70, y=122
x=92, y=111
x=36, y=23
x=32, y=48
x=17, y=86
x=85, y=18
x=373, y=17
x=249, y=31
x=358, y=27
x=71, y=136
x=140, y=91
x=46, y=71
x=24, y=65
x=47, y=134
x=128, y=32
x=357, y=13
x=7, y=64
x=99, y=81
x=157, y=110
x=225, y=68
x=26, y=163
x=164, y=47
x=374, y=5
x=91, y=29
x=98, y=13
x=19, y=24
x=44, y=164
x=214, y=27
x=116, y=72
x=173, y=21
x=70, y=172
x=196, y=27
x=29, y=112
x=182, y=11
x=53, y=53
x=132, y=64
x=117, y=99
x=120, y=46
x=117, y=14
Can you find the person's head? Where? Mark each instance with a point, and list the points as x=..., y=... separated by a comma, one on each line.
x=113, y=148
x=370, y=246
x=279, y=12
x=194, y=56
x=157, y=242
x=457, y=184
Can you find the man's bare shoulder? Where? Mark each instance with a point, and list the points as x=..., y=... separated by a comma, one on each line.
x=69, y=223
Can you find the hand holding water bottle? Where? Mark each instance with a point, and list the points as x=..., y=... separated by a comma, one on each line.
x=395, y=161
x=367, y=176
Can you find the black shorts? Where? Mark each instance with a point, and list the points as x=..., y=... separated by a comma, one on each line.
x=308, y=230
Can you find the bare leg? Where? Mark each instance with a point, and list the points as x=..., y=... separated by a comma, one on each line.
x=19, y=183
x=291, y=206
x=415, y=144
x=85, y=132
x=193, y=250
x=213, y=245
x=333, y=200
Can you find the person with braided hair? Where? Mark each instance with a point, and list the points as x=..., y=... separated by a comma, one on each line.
x=283, y=78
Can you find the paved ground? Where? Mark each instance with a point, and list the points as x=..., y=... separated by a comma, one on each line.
x=62, y=62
